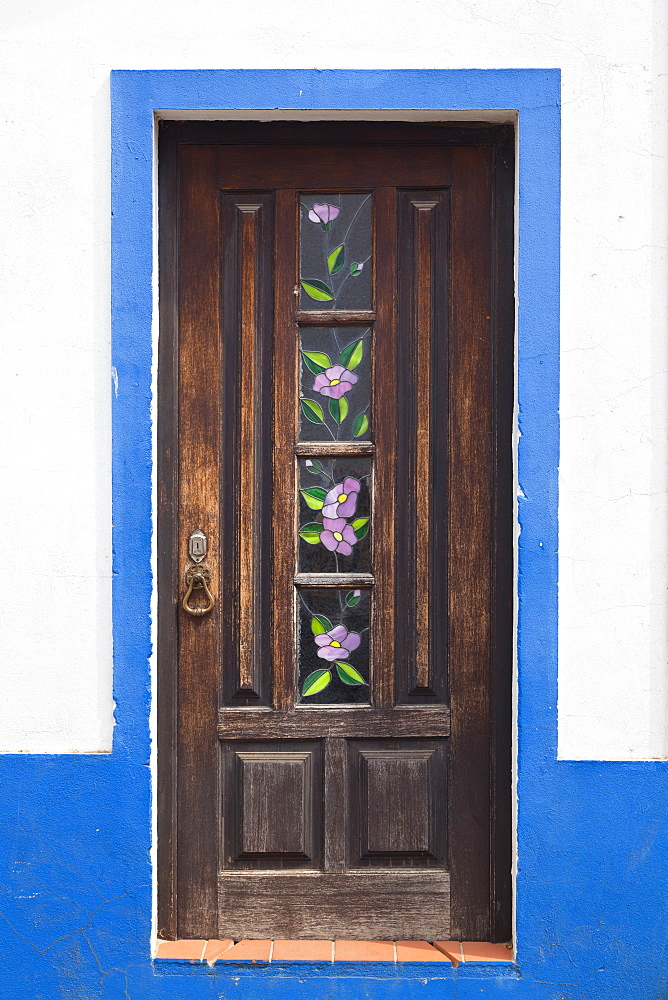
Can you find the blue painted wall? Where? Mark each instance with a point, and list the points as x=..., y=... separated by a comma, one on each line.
x=75, y=874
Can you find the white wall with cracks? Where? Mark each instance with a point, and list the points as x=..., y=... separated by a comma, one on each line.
x=55, y=58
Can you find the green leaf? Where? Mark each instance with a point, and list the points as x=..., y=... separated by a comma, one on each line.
x=336, y=259
x=361, y=527
x=314, y=466
x=311, y=532
x=353, y=597
x=316, y=491
x=348, y=674
x=316, y=682
x=355, y=269
x=361, y=425
x=339, y=409
x=320, y=361
x=317, y=290
x=315, y=497
x=351, y=355
x=320, y=624
x=325, y=226
x=311, y=365
x=312, y=411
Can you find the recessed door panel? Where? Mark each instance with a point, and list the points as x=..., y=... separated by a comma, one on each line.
x=399, y=798
x=272, y=802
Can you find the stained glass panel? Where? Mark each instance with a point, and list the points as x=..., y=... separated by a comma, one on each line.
x=335, y=515
x=335, y=247
x=333, y=636
x=335, y=383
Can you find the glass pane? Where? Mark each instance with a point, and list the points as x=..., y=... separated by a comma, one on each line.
x=335, y=251
x=335, y=383
x=334, y=515
x=333, y=636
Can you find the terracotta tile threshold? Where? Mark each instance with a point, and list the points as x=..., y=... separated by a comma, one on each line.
x=446, y=952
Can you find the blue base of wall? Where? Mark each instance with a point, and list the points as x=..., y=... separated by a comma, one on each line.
x=75, y=875
x=76, y=896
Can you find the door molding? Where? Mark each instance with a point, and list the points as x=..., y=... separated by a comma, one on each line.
x=138, y=98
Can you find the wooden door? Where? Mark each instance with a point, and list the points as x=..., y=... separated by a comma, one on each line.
x=335, y=417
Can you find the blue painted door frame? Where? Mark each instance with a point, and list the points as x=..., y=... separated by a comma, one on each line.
x=76, y=877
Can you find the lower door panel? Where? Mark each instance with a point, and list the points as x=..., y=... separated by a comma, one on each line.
x=377, y=906
x=335, y=838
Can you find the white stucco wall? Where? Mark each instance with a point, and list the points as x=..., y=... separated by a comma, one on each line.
x=55, y=59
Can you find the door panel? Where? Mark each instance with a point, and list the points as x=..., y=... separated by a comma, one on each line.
x=246, y=226
x=333, y=344
x=423, y=220
x=272, y=799
x=397, y=792
x=374, y=906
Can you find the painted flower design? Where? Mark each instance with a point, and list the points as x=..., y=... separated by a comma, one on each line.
x=323, y=213
x=337, y=643
x=334, y=381
x=341, y=500
x=338, y=535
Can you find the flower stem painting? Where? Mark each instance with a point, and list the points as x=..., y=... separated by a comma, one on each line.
x=334, y=646
x=334, y=495
x=335, y=368
x=335, y=393
x=335, y=251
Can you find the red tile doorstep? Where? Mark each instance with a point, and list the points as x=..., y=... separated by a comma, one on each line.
x=419, y=951
x=302, y=951
x=452, y=949
x=364, y=951
x=321, y=951
x=185, y=949
x=247, y=951
x=481, y=951
x=214, y=949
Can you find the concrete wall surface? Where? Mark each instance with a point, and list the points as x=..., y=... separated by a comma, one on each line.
x=54, y=312
x=76, y=879
x=75, y=896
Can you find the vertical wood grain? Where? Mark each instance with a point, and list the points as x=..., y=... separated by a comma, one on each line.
x=275, y=802
x=199, y=478
x=284, y=504
x=246, y=225
x=248, y=445
x=422, y=222
x=470, y=544
x=272, y=806
x=384, y=412
x=336, y=805
x=422, y=455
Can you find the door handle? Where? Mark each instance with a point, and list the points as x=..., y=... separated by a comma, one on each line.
x=198, y=578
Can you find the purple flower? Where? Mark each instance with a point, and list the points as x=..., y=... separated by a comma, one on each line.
x=338, y=536
x=337, y=643
x=341, y=500
x=323, y=213
x=334, y=381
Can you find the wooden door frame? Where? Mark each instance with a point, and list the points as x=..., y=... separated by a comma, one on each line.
x=501, y=139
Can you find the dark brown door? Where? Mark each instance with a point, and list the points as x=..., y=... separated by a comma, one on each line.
x=335, y=402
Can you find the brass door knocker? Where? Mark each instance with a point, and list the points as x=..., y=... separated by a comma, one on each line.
x=198, y=578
